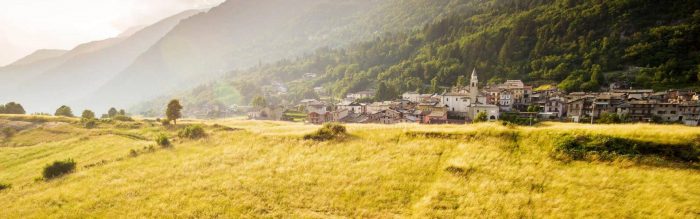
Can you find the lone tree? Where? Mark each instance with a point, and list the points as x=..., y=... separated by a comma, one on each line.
x=112, y=112
x=64, y=111
x=173, y=112
x=12, y=108
x=88, y=115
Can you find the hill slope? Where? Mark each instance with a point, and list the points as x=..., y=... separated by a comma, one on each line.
x=39, y=55
x=83, y=70
x=241, y=34
x=266, y=170
x=579, y=44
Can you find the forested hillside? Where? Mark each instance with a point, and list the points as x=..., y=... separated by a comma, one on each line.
x=579, y=44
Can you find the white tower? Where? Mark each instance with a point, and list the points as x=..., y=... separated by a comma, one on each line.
x=474, y=87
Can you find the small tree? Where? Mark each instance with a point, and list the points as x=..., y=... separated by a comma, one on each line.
x=112, y=112
x=12, y=108
x=481, y=117
x=122, y=112
x=88, y=115
x=64, y=111
x=173, y=112
x=259, y=102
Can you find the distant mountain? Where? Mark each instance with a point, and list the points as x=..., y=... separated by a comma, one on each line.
x=64, y=79
x=39, y=55
x=12, y=77
x=236, y=34
x=240, y=34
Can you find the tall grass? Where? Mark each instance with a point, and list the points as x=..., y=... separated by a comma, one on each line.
x=384, y=171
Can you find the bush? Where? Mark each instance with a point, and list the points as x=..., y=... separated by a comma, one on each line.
x=4, y=186
x=611, y=118
x=90, y=123
x=58, y=168
x=165, y=122
x=122, y=118
x=133, y=153
x=163, y=141
x=329, y=131
x=481, y=117
x=608, y=147
x=192, y=132
x=8, y=132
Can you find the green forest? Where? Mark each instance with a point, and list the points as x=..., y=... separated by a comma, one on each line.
x=580, y=45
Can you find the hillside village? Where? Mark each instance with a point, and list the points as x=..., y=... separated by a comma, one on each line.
x=512, y=100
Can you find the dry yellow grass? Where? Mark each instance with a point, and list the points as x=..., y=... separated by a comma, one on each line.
x=267, y=170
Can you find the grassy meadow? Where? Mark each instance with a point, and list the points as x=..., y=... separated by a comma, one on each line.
x=251, y=169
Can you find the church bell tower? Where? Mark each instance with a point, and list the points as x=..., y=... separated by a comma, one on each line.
x=474, y=87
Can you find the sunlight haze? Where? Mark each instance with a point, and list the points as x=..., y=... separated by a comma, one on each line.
x=29, y=25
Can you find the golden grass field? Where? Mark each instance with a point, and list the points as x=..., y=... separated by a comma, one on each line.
x=265, y=169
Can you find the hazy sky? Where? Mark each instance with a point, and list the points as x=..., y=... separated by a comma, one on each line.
x=29, y=25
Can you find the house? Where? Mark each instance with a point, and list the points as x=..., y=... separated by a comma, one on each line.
x=505, y=100
x=690, y=113
x=340, y=114
x=456, y=102
x=353, y=107
x=580, y=107
x=318, y=113
x=637, y=110
x=435, y=117
x=360, y=95
x=555, y=107
x=390, y=117
x=378, y=107
x=415, y=97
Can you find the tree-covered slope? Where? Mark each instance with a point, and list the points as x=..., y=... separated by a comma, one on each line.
x=579, y=44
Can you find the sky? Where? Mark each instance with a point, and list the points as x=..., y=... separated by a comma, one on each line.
x=30, y=25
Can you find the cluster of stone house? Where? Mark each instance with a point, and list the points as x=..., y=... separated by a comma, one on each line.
x=458, y=105
x=463, y=104
x=676, y=106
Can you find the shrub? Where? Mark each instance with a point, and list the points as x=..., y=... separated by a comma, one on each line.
x=608, y=147
x=8, y=132
x=192, y=132
x=123, y=118
x=58, y=168
x=165, y=122
x=329, y=131
x=163, y=141
x=4, y=186
x=481, y=117
x=90, y=123
x=610, y=118
x=133, y=153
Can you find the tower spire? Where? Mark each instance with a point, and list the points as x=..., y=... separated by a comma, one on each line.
x=474, y=87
